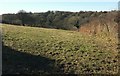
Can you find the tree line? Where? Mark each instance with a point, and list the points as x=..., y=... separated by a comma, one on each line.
x=51, y=19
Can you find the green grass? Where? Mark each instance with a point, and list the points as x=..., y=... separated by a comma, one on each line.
x=72, y=51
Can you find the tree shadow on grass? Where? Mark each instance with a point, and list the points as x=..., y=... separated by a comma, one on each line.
x=15, y=62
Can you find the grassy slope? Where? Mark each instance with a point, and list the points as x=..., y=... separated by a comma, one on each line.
x=71, y=51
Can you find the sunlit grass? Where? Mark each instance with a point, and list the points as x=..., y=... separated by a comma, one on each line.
x=73, y=51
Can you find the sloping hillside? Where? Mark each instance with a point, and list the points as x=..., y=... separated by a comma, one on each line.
x=29, y=50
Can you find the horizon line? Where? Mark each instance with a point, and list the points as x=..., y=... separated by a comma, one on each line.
x=64, y=11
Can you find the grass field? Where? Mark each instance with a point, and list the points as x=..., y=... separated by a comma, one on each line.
x=50, y=51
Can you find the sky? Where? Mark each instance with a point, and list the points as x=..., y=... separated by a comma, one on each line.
x=13, y=6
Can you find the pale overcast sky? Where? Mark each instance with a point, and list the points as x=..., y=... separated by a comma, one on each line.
x=13, y=6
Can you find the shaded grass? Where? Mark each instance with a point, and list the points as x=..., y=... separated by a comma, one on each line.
x=73, y=52
x=15, y=62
